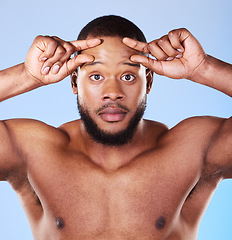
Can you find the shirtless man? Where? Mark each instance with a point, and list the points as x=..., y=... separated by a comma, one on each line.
x=112, y=174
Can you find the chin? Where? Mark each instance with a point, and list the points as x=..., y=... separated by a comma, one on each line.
x=112, y=133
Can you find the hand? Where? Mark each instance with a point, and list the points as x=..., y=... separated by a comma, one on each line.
x=48, y=60
x=178, y=54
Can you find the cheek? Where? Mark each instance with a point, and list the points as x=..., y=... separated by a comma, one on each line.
x=137, y=92
x=88, y=94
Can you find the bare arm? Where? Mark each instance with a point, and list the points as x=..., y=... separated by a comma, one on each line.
x=14, y=81
x=179, y=55
x=214, y=73
x=48, y=61
x=9, y=157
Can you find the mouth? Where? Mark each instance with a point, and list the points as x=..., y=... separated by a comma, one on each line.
x=113, y=114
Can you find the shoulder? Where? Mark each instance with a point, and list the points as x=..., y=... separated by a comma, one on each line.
x=193, y=132
x=28, y=133
x=30, y=127
x=194, y=124
x=198, y=125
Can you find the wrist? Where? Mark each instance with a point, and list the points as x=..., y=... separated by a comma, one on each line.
x=15, y=80
x=214, y=73
x=29, y=79
x=201, y=71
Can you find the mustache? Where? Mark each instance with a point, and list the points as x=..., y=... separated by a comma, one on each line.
x=112, y=105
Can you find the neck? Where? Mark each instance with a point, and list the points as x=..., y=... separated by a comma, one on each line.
x=112, y=158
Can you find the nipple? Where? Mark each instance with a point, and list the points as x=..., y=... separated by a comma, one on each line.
x=60, y=223
x=160, y=223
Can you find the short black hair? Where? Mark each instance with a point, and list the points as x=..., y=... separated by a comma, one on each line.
x=111, y=26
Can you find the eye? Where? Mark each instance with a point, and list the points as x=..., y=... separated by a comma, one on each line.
x=128, y=77
x=96, y=77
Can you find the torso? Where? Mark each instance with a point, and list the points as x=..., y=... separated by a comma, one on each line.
x=160, y=193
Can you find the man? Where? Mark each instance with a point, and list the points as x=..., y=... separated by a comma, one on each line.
x=112, y=174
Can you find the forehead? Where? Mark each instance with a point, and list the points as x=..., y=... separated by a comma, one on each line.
x=111, y=48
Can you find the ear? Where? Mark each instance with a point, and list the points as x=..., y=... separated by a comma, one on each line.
x=74, y=81
x=149, y=76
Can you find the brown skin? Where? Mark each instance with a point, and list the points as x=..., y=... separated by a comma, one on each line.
x=155, y=187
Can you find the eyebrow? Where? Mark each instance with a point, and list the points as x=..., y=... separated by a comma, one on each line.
x=99, y=62
x=90, y=64
x=131, y=64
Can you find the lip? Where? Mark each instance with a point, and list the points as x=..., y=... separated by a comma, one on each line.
x=113, y=114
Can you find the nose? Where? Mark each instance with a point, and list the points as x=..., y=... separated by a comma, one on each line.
x=112, y=90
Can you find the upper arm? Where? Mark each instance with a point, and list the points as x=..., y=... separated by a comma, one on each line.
x=9, y=156
x=20, y=139
x=219, y=154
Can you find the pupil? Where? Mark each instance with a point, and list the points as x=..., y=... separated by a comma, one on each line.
x=127, y=77
x=97, y=77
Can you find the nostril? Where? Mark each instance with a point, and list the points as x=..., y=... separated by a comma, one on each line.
x=106, y=97
x=113, y=97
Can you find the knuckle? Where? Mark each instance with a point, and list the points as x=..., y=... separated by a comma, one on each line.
x=171, y=33
x=150, y=61
x=78, y=47
x=164, y=38
x=145, y=48
x=56, y=38
x=136, y=44
x=60, y=51
x=184, y=29
x=52, y=44
x=39, y=37
x=160, y=42
x=70, y=49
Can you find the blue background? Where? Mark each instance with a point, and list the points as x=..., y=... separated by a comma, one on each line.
x=169, y=102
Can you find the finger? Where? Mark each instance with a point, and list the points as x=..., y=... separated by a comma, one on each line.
x=61, y=54
x=174, y=38
x=137, y=45
x=156, y=51
x=58, y=54
x=57, y=51
x=167, y=47
x=76, y=62
x=47, y=45
x=84, y=44
x=70, y=49
x=152, y=64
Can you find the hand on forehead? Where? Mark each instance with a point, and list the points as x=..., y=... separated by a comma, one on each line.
x=111, y=47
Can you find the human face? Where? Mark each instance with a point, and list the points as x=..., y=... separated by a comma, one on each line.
x=112, y=88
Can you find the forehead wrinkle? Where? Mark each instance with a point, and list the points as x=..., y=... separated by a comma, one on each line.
x=130, y=64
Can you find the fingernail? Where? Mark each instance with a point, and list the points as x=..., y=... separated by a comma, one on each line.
x=180, y=50
x=169, y=58
x=46, y=70
x=179, y=56
x=55, y=69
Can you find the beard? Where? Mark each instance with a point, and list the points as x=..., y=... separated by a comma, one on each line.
x=107, y=138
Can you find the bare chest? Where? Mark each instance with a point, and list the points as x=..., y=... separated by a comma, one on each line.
x=80, y=199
